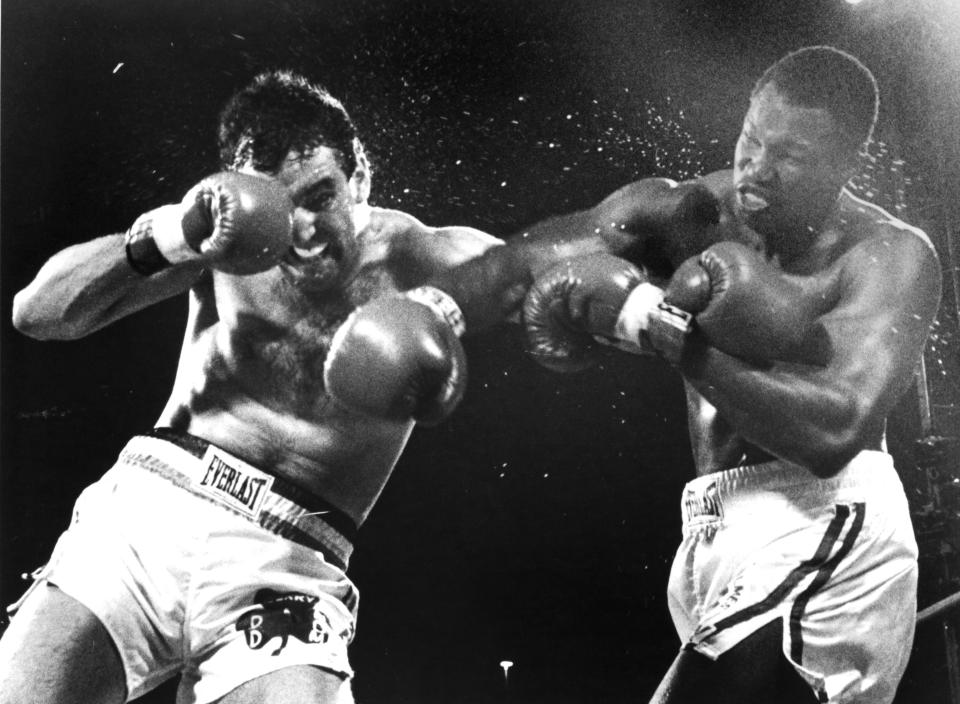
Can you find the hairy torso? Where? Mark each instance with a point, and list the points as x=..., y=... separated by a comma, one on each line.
x=250, y=380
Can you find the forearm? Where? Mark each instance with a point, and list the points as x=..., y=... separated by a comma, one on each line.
x=652, y=222
x=791, y=411
x=87, y=286
x=490, y=287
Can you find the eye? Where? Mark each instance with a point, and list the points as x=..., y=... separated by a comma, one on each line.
x=317, y=200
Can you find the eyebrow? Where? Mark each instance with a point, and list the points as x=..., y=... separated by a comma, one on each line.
x=789, y=143
x=801, y=145
x=322, y=184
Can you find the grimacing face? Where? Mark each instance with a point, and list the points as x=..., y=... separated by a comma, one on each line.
x=329, y=211
x=789, y=168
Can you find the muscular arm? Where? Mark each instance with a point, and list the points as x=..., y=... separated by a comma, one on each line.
x=88, y=286
x=821, y=416
x=649, y=221
x=422, y=252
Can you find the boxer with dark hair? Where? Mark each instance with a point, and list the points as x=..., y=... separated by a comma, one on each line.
x=796, y=578
x=284, y=422
x=253, y=481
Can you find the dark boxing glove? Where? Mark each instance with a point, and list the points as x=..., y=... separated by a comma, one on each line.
x=659, y=223
x=578, y=304
x=746, y=307
x=399, y=358
x=235, y=223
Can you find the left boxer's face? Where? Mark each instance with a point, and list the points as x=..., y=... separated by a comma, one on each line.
x=789, y=167
x=330, y=211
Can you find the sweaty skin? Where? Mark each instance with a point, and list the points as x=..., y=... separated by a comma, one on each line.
x=877, y=280
x=250, y=375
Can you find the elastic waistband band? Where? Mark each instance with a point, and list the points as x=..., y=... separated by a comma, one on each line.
x=870, y=472
x=270, y=501
x=778, y=474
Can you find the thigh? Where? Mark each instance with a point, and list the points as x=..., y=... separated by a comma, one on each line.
x=299, y=683
x=56, y=650
x=755, y=671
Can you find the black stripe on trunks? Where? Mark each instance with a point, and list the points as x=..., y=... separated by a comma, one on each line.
x=331, y=515
x=781, y=591
x=800, y=605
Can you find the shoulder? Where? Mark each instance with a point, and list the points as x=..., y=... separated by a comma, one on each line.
x=422, y=248
x=894, y=260
x=876, y=236
x=402, y=228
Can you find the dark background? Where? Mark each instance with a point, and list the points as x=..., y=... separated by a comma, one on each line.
x=537, y=525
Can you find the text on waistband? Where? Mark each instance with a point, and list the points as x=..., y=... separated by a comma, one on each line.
x=233, y=482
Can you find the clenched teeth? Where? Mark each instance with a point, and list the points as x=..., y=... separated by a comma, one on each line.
x=312, y=252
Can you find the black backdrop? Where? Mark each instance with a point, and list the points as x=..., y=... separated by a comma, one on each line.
x=537, y=525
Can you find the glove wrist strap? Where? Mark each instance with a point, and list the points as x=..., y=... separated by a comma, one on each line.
x=634, y=316
x=645, y=320
x=155, y=241
x=442, y=304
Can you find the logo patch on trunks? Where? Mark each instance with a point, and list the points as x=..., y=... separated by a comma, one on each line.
x=285, y=614
x=702, y=507
x=234, y=482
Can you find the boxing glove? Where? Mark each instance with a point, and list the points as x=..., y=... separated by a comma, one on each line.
x=746, y=307
x=577, y=305
x=399, y=358
x=235, y=223
x=659, y=223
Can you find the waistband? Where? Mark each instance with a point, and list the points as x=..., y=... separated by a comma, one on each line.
x=871, y=472
x=272, y=502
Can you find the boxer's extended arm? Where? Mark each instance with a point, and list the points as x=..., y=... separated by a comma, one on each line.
x=89, y=285
x=655, y=222
x=821, y=417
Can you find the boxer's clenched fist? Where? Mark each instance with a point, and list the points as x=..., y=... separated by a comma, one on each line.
x=399, y=358
x=232, y=222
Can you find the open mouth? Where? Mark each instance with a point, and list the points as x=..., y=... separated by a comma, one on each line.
x=752, y=199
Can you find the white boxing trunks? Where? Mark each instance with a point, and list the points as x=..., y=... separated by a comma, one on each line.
x=835, y=559
x=198, y=563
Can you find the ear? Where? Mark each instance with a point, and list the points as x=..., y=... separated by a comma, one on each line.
x=850, y=165
x=360, y=180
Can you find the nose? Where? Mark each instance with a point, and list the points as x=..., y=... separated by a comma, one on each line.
x=304, y=227
x=758, y=166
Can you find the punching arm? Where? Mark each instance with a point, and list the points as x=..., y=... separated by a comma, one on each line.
x=654, y=222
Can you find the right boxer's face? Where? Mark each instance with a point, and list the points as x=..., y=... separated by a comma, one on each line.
x=788, y=170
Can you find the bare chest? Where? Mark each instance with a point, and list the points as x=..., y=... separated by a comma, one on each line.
x=273, y=352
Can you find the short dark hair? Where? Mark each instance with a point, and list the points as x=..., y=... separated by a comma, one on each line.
x=827, y=78
x=280, y=112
